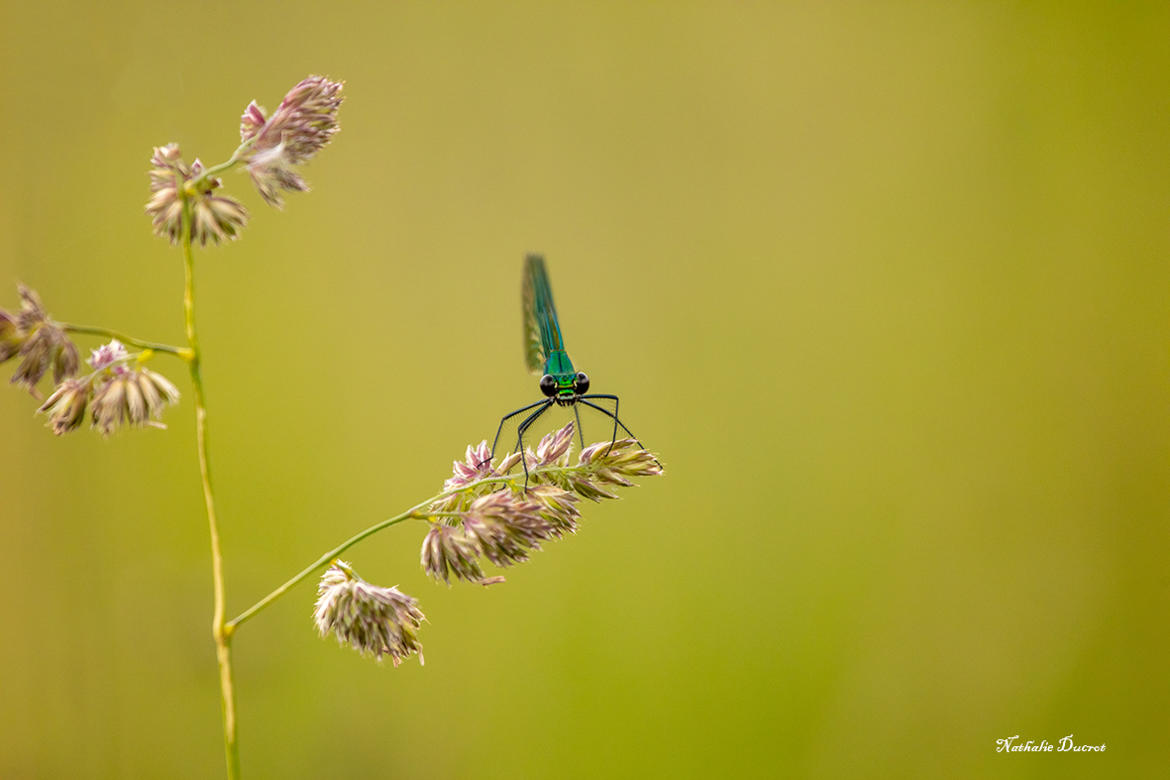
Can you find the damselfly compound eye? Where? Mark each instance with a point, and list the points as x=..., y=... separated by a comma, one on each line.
x=581, y=383
x=548, y=385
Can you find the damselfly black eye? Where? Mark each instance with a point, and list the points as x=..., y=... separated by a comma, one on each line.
x=581, y=383
x=548, y=385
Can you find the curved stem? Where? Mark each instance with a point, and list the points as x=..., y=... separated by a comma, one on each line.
x=223, y=166
x=413, y=512
x=182, y=352
x=351, y=541
x=221, y=635
x=312, y=567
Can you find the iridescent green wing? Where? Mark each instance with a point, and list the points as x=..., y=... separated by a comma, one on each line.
x=542, y=332
x=533, y=349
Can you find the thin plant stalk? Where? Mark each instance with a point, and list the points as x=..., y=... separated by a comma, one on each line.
x=224, y=166
x=219, y=632
x=325, y=559
x=185, y=207
x=180, y=352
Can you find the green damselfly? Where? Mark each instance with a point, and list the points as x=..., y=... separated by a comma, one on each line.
x=545, y=356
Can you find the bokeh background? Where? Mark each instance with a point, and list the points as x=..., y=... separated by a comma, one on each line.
x=884, y=283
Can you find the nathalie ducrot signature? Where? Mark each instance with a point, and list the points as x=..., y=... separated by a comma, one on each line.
x=1063, y=745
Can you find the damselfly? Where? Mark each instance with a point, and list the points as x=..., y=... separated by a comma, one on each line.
x=545, y=355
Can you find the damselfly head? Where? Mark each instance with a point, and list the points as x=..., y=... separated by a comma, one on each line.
x=565, y=388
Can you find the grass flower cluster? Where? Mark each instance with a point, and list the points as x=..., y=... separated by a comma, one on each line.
x=483, y=514
x=120, y=391
x=174, y=185
x=40, y=343
x=371, y=619
x=487, y=513
x=301, y=126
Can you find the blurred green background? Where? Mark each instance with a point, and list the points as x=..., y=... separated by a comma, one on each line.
x=885, y=285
